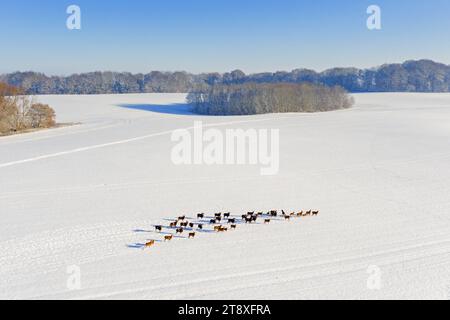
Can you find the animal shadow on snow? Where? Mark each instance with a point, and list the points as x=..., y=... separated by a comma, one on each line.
x=140, y=245
x=152, y=231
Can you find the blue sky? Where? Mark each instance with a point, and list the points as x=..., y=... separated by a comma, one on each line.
x=218, y=35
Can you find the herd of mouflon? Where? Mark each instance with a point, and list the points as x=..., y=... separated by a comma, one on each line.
x=220, y=222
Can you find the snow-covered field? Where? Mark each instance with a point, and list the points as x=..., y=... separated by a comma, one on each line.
x=88, y=195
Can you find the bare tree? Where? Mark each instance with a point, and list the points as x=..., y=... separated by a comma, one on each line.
x=20, y=112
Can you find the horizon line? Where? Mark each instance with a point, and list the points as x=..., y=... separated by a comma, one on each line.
x=222, y=73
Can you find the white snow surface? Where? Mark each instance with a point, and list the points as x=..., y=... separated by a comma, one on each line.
x=88, y=195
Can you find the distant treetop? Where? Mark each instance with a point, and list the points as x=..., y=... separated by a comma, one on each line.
x=410, y=76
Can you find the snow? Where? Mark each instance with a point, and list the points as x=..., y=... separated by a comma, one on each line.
x=88, y=195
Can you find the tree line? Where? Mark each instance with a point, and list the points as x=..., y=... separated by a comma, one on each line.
x=259, y=98
x=19, y=112
x=411, y=76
